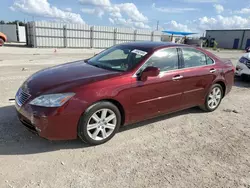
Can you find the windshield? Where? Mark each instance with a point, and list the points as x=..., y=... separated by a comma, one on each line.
x=118, y=58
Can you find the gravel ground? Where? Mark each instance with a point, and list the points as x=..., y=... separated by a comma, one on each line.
x=185, y=149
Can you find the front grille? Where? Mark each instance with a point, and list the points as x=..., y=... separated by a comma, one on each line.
x=21, y=97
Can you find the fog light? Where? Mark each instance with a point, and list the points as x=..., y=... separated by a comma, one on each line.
x=238, y=68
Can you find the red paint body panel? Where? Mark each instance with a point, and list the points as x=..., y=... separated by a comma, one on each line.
x=139, y=99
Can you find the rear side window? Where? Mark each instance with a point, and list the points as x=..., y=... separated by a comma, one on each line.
x=193, y=57
x=165, y=59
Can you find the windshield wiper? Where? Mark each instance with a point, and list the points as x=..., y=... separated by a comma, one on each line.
x=104, y=67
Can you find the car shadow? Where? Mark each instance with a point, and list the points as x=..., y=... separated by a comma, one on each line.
x=15, y=139
x=238, y=82
x=195, y=110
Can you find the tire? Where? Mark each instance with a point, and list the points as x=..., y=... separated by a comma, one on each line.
x=208, y=107
x=244, y=78
x=1, y=42
x=93, y=128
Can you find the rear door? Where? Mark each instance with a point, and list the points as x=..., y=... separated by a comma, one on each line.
x=199, y=71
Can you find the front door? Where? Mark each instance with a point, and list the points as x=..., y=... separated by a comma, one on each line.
x=198, y=74
x=159, y=94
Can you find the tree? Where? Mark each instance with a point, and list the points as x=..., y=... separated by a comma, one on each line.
x=15, y=22
x=2, y=22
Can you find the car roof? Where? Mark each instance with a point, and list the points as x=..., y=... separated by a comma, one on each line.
x=152, y=44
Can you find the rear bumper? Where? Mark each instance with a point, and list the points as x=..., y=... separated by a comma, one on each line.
x=49, y=123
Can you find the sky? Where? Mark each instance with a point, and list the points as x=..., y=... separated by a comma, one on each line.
x=175, y=15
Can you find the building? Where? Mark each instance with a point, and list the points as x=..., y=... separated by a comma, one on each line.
x=230, y=39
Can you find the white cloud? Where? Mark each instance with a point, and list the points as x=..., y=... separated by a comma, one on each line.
x=206, y=23
x=111, y=20
x=218, y=8
x=174, y=26
x=203, y=1
x=97, y=11
x=42, y=8
x=96, y=2
x=123, y=14
x=68, y=9
x=243, y=11
x=132, y=12
x=88, y=10
x=172, y=9
x=128, y=23
x=220, y=22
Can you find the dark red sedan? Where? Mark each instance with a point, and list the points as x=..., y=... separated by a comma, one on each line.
x=124, y=84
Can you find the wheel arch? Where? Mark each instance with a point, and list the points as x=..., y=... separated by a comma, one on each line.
x=119, y=106
x=2, y=37
x=114, y=102
x=223, y=85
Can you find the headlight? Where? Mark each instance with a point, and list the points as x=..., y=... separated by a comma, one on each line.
x=52, y=100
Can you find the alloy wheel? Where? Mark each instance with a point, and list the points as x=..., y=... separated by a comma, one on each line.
x=101, y=124
x=214, y=98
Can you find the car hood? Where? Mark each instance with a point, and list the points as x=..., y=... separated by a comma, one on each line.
x=64, y=77
x=247, y=55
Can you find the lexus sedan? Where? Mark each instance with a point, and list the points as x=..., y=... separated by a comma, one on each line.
x=127, y=83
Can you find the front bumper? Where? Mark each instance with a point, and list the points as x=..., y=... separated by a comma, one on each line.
x=242, y=69
x=49, y=123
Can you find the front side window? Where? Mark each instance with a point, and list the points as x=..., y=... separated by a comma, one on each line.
x=119, y=58
x=193, y=57
x=209, y=61
x=165, y=60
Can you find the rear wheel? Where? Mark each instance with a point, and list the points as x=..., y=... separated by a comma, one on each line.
x=213, y=98
x=99, y=123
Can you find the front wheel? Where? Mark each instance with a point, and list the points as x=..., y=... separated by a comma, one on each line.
x=1, y=42
x=99, y=123
x=213, y=98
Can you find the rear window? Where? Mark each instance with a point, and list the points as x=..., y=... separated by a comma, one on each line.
x=194, y=58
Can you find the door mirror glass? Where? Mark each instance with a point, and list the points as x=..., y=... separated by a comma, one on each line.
x=149, y=72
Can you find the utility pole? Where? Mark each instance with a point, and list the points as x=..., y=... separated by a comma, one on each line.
x=157, y=28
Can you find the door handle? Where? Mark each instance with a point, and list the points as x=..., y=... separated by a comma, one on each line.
x=177, y=77
x=212, y=70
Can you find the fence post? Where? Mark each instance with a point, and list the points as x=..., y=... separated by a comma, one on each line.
x=27, y=34
x=92, y=37
x=135, y=35
x=65, y=41
x=115, y=36
x=17, y=32
x=34, y=34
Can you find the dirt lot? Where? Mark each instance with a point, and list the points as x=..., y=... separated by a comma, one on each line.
x=185, y=149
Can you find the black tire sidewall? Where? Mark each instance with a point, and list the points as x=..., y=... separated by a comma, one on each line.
x=82, y=125
x=206, y=102
x=1, y=42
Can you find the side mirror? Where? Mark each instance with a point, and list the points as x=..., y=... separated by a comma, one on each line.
x=149, y=72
